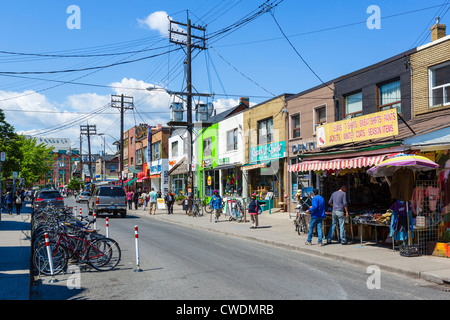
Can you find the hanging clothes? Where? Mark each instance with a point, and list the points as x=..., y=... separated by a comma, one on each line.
x=399, y=220
x=417, y=200
x=402, y=184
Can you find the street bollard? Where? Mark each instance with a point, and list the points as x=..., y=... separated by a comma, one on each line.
x=49, y=255
x=136, y=238
x=107, y=227
x=75, y=212
x=80, y=211
x=95, y=221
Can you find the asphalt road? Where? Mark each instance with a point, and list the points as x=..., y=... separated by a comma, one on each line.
x=184, y=263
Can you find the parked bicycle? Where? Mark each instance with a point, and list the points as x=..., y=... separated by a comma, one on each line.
x=70, y=239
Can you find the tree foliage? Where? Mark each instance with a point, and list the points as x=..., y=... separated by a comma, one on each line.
x=23, y=155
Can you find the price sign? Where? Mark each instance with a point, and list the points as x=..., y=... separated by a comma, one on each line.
x=420, y=221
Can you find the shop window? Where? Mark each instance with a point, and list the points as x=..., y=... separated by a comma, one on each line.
x=389, y=96
x=232, y=140
x=353, y=105
x=207, y=148
x=320, y=116
x=295, y=123
x=175, y=149
x=439, y=77
x=265, y=131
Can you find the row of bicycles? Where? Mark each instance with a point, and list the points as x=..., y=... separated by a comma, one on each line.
x=233, y=208
x=60, y=238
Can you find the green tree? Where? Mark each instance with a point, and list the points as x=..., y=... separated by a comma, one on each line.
x=37, y=160
x=10, y=144
x=74, y=184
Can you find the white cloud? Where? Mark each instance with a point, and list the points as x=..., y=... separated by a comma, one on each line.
x=158, y=21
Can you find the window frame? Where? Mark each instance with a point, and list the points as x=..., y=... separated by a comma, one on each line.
x=207, y=142
x=353, y=114
x=315, y=120
x=381, y=106
x=443, y=86
x=268, y=139
x=234, y=143
x=292, y=131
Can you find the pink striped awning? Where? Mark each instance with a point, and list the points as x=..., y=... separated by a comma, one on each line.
x=336, y=164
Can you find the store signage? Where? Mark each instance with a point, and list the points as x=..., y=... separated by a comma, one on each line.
x=224, y=160
x=303, y=147
x=206, y=163
x=269, y=151
x=372, y=126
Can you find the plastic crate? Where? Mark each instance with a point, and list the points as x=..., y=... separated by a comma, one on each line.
x=409, y=250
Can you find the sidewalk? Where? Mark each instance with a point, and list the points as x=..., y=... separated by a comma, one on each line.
x=15, y=255
x=277, y=229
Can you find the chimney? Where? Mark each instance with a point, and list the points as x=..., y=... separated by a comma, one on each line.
x=244, y=101
x=437, y=30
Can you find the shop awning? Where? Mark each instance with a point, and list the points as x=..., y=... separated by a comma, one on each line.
x=179, y=168
x=336, y=164
x=227, y=166
x=250, y=166
x=142, y=179
x=128, y=182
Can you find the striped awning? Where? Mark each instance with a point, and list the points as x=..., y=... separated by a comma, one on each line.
x=336, y=164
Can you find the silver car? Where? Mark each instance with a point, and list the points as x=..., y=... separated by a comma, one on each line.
x=108, y=199
x=83, y=197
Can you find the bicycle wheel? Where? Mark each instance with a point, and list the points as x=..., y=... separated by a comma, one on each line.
x=208, y=208
x=103, y=254
x=59, y=259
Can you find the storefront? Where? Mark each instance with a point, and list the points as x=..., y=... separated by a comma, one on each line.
x=265, y=172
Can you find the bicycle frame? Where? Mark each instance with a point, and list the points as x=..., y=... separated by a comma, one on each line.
x=86, y=244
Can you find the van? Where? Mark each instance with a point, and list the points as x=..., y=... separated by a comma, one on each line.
x=108, y=199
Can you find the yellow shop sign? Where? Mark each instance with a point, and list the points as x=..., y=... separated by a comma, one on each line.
x=372, y=126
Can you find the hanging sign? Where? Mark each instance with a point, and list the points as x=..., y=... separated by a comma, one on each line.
x=368, y=127
x=209, y=180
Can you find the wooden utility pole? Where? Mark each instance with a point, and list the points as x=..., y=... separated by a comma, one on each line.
x=184, y=38
x=122, y=103
x=89, y=130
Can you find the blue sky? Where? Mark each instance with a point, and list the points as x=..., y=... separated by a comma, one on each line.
x=257, y=50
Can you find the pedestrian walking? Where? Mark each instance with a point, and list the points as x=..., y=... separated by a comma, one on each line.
x=340, y=211
x=216, y=204
x=152, y=198
x=130, y=199
x=136, y=199
x=18, y=202
x=169, y=200
x=9, y=202
x=254, y=209
x=317, y=211
x=144, y=197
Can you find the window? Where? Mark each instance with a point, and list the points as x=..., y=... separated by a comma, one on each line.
x=320, y=116
x=175, y=149
x=390, y=96
x=131, y=141
x=156, y=151
x=207, y=148
x=440, y=85
x=353, y=105
x=112, y=168
x=265, y=131
x=232, y=140
x=295, y=123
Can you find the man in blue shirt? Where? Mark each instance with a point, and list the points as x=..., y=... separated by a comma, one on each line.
x=216, y=204
x=317, y=211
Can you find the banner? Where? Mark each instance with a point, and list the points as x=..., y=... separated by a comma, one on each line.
x=372, y=126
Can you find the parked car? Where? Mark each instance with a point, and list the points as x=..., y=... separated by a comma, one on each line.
x=44, y=198
x=108, y=199
x=83, y=197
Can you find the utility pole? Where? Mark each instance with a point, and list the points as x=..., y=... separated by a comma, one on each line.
x=200, y=43
x=89, y=130
x=122, y=103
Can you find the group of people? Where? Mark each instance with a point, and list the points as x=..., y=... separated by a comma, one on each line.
x=338, y=201
x=144, y=198
x=11, y=200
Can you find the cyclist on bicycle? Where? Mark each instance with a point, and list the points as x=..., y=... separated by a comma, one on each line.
x=216, y=204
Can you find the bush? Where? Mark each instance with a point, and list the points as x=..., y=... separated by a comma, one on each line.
x=179, y=198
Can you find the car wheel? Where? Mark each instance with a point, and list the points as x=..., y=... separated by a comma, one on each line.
x=123, y=214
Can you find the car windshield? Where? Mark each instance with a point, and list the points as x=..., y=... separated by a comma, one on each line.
x=85, y=194
x=112, y=192
x=49, y=195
